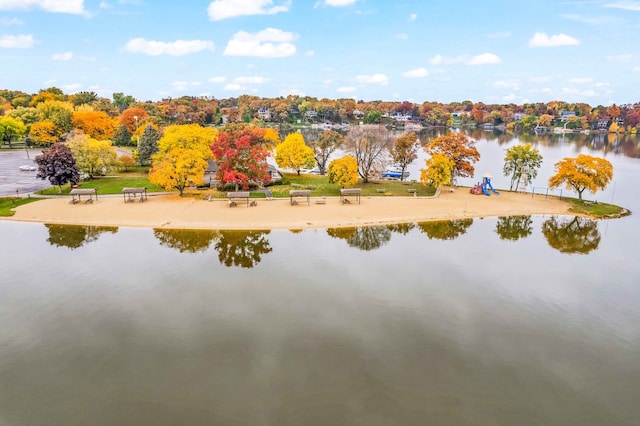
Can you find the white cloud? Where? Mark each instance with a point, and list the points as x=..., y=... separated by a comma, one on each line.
x=310, y=52
x=346, y=89
x=576, y=92
x=633, y=6
x=540, y=79
x=635, y=69
x=507, y=84
x=6, y=22
x=620, y=58
x=413, y=16
x=444, y=60
x=181, y=86
x=268, y=43
x=591, y=20
x=543, y=40
x=224, y=9
x=485, y=59
x=59, y=6
x=217, y=80
x=17, y=41
x=416, y=73
x=580, y=80
x=71, y=88
x=249, y=80
x=373, y=79
x=66, y=56
x=339, y=3
x=176, y=48
x=233, y=87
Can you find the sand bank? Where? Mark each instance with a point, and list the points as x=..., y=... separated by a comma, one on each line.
x=171, y=211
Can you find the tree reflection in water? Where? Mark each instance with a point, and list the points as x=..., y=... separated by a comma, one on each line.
x=75, y=236
x=513, y=228
x=365, y=237
x=572, y=234
x=186, y=240
x=445, y=229
x=242, y=248
x=402, y=228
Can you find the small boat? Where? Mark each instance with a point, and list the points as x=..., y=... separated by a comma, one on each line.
x=394, y=173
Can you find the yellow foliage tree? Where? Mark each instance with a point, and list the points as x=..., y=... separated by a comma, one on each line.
x=438, y=170
x=343, y=171
x=582, y=172
x=294, y=154
x=182, y=156
x=44, y=133
x=93, y=156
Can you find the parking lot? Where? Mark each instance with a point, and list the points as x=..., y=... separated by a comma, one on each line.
x=12, y=179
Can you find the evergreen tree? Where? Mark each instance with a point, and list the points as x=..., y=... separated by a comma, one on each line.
x=122, y=136
x=148, y=145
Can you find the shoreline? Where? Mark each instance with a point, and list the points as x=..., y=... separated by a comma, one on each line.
x=173, y=212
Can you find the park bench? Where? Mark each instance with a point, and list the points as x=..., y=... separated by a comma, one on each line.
x=349, y=192
x=295, y=193
x=77, y=193
x=131, y=194
x=237, y=195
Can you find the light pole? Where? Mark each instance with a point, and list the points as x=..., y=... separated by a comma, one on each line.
x=135, y=117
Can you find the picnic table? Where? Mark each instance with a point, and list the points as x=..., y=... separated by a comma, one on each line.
x=294, y=193
x=77, y=193
x=350, y=192
x=131, y=194
x=232, y=196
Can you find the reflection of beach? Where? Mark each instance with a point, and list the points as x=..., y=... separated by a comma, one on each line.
x=175, y=212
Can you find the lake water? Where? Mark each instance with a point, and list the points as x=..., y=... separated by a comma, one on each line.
x=514, y=321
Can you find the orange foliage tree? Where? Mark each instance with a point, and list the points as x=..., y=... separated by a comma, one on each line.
x=458, y=148
x=95, y=124
x=582, y=172
x=132, y=118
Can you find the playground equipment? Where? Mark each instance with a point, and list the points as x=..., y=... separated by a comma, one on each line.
x=484, y=187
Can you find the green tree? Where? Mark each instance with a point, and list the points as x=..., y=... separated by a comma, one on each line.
x=294, y=154
x=92, y=156
x=122, y=136
x=521, y=160
x=147, y=145
x=11, y=129
x=405, y=151
x=582, y=172
x=343, y=171
x=58, y=112
x=57, y=164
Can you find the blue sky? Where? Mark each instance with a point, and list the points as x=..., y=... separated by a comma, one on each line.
x=436, y=50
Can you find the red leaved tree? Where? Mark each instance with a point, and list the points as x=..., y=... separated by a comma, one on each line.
x=241, y=153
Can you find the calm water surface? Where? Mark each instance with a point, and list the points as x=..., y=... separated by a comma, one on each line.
x=524, y=320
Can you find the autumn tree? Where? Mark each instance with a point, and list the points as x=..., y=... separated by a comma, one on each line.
x=370, y=146
x=92, y=156
x=582, y=172
x=458, y=148
x=11, y=129
x=182, y=156
x=438, y=170
x=44, y=133
x=95, y=124
x=343, y=171
x=404, y=151
x=148, y=145
x=328, y=142
x=126, y=161
x=131, y=118
x=58, y=112
x=522, y=159
x=83, y=98
x=294, y=154
x=241, y=152
x=57, y=164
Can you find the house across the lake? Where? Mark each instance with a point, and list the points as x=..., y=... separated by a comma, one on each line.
x=212, y=169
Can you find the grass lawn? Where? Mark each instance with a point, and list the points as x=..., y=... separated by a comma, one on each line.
x=320, y=187
x=7, y=204
x=597, y=210
x=109, y=185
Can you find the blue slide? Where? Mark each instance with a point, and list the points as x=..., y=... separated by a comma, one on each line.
x=488, y=182
x=484, y=190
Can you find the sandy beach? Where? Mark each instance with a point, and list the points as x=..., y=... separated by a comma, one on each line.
x=171, y=211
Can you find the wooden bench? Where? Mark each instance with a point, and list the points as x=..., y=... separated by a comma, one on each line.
x=131, y=194
x=412, y=191
x=237, y=195
x=294, y=193
x=381, y=191
x=77, y=193
x=350, y=192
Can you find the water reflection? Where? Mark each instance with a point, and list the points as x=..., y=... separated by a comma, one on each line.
x=513, y=228
x=364, y=238
x=572, y=234
x=75, y=236
x=186, y=240
x=242, y=248
x=445, y=229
